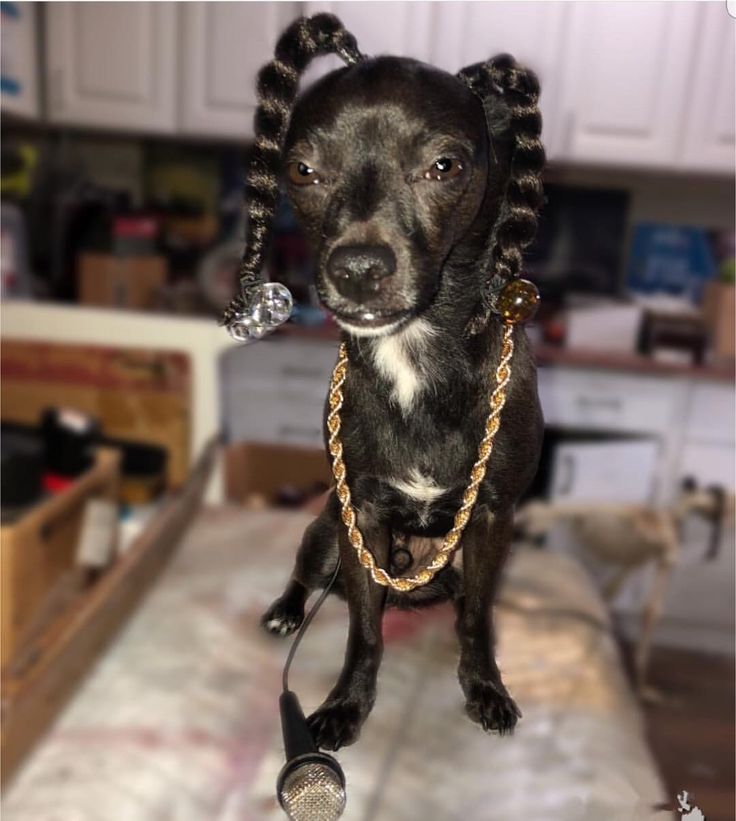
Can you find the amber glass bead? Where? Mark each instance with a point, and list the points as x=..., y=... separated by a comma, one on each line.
x=518, y=301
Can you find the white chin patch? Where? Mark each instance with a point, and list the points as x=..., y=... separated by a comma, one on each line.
x=359, y=330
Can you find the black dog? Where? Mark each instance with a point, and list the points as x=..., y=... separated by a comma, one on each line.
x=418, y=191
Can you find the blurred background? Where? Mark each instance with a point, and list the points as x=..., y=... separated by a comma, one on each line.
x=125, y=129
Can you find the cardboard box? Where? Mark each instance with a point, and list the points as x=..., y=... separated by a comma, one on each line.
x=254, y=473
x=719, y=312
x=139, y=395
x=40, y=547
x=120, y=282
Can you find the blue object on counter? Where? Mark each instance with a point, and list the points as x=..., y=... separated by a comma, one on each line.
x=670, y=259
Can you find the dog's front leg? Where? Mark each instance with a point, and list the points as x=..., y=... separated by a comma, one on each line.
x=485, y=547
x=338, y=721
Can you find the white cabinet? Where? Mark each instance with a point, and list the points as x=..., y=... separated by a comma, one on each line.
x=464, y=33
x=617, y=471
x=625, y=82
x=396, y=28
x=604, y=401
x=276, y=392
x=699, y=606
x=711, y=414
x=608, y=472
x=18, y=74
x=709, y=121
x=223, y=46
x=401, y=29
x=112, y=64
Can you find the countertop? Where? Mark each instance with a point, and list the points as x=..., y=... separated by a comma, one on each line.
x=550, y=356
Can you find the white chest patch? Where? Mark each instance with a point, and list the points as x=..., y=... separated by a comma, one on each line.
x=392, y=356
x=419, y=487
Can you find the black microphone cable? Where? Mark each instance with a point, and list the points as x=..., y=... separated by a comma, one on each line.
x=311, y=785
x=305, y=624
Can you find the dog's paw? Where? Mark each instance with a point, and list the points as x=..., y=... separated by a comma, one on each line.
x=282, y=618
x=489, y=704
x=337, y=723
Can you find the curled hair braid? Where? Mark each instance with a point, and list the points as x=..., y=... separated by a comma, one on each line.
x=277, y=86
x=502, y=80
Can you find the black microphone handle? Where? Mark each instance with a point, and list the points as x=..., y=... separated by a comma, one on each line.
x=297, y=738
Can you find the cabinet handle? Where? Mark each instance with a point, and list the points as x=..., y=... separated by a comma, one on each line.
x=569, y=129
x=301, y=373
x=568, y=467
x=286, y=430
x=611, y=402
x=56, y=88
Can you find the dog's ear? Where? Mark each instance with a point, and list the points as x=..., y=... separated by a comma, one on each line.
x=277, y=86
x=510, y=96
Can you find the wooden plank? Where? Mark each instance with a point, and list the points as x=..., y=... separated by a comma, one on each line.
x=33, y=696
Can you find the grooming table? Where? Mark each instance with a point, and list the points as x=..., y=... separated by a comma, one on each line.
x=179, y=720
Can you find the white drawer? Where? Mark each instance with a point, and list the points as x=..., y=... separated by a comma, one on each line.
x=267, y=416
x=712, y=412
x=275, y=391
x=291, y=391
x=595, y=400
x=305, y=360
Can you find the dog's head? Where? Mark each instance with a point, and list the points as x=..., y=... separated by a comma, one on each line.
x=386, y=167
x=396, y=170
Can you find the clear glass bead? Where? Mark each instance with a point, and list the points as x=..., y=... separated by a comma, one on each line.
x=269, y=305
x=274, y=304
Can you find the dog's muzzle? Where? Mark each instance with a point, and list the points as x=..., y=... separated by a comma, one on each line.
x=361, y=273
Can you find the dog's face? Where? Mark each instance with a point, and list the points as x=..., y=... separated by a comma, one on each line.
x=386, y=167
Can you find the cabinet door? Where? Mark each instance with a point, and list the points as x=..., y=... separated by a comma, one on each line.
x=18, y=75
x=402, y=29
x=619, y=471
x=699, y=606
x=610, y=472
x=709, y=143
x=277, y=392
x=223, y=46
x=464, y=33
x=112, y=64
x=625, y=73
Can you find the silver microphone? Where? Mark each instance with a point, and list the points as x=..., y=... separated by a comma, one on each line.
x=311, y=785
x=313, y=790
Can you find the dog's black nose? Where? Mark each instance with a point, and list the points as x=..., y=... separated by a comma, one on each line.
x=360, y=271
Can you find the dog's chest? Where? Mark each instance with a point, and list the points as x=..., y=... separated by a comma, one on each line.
x=409, y=426
x=403, y=361
x=421, y=492
x=418, y=486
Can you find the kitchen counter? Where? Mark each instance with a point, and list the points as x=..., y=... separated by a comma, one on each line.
x=551, y=356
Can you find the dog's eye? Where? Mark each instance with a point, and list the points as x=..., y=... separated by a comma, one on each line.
x=444, y=168
x=302, y=174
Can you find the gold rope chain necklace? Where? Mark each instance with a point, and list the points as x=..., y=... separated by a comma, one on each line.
x=477, y=474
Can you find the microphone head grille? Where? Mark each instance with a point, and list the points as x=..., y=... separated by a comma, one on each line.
x=313, y=792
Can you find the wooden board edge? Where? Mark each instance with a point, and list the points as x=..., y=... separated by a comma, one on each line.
x=32, y=701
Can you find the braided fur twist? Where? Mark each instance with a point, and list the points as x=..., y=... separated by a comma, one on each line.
x=277, y=86
x=502, y=80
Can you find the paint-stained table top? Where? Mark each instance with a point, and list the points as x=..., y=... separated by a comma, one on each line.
x=179, y=720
